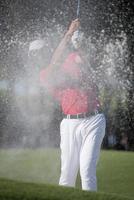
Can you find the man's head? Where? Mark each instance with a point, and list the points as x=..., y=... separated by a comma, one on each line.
x=35, y=46
x=36, y=52
x=77, y=39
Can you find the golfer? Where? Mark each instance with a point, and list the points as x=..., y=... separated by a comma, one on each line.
x=82, y=129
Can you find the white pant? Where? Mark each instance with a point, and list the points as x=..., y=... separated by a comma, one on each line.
x=80, y=147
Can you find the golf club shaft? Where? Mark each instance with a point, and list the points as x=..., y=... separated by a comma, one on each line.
x=78, y=8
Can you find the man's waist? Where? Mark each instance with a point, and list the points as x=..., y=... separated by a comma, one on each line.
x=82, y=115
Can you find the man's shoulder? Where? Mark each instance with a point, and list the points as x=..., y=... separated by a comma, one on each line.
x=73, y=57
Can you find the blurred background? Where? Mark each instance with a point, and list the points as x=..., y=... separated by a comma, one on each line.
x=29, y=116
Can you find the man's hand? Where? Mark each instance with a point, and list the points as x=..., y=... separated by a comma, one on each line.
x=73, y=26
x=55, y=61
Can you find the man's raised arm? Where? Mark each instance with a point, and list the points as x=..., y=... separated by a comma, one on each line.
x=46, y=74
x=61, y=47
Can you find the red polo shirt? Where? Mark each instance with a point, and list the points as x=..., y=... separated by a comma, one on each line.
x=73, y=98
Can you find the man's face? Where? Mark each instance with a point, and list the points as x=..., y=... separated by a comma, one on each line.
x=77, y=39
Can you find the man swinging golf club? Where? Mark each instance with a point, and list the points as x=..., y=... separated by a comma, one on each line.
x=83, y=126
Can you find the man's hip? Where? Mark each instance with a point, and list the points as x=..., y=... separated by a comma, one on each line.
x=82, y=115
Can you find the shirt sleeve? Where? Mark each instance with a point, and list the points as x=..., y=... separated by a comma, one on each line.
x=43, y=76
x=44, y=81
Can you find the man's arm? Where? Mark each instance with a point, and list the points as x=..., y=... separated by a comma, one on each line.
x=47, y=74
x=61, y=47
x=56, y=58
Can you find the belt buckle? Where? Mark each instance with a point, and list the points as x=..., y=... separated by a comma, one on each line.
x=68, y=116
x=81, y=115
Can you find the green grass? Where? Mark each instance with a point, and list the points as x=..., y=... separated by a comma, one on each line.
x=11, y=190
x=38, y=166
x=115, y=171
